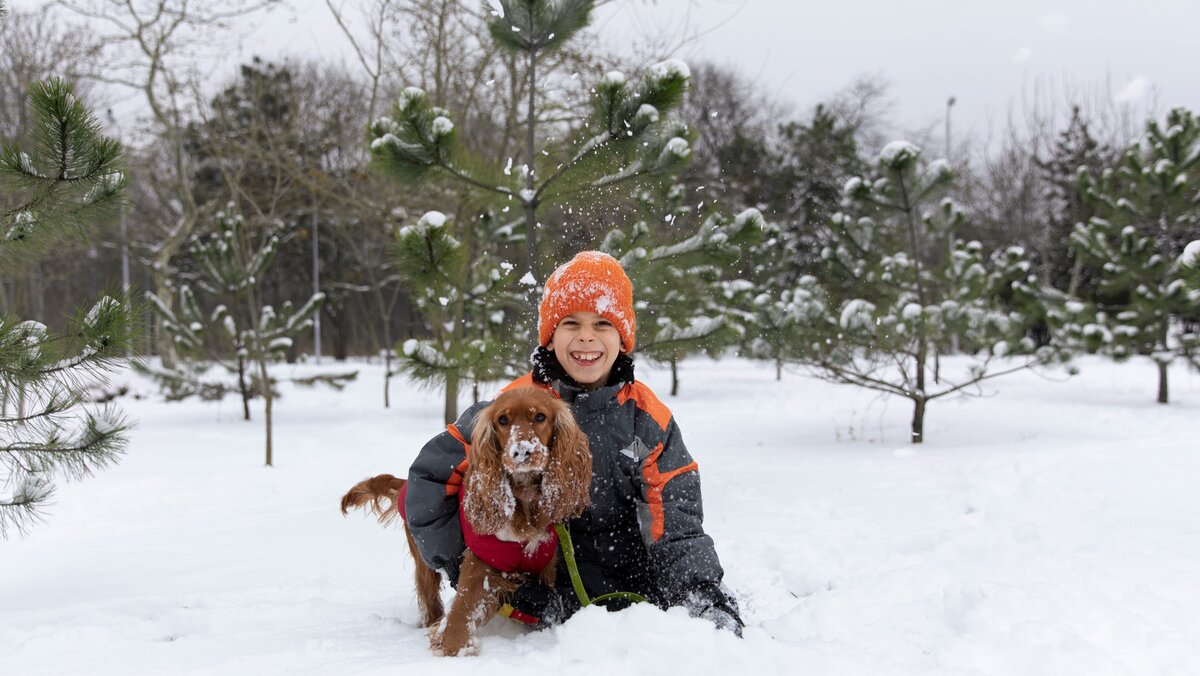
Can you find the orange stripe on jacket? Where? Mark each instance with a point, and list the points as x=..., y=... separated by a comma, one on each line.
x=656, y=481
x=454, y=483
x=644, y=399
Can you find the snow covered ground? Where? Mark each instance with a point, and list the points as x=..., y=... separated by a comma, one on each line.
x=1051, y=528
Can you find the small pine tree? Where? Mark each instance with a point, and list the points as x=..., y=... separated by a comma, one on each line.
x=68, y=178
x=1148, y=208
x=1076, y=150
x=687, y=298
x=1190, y=263
x=812, y=163
x=243, y=332
x=898, y=289
x=629, y=137
x=468, y=299
x=802, y=190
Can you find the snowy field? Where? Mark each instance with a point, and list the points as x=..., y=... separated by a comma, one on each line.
x=1051, y=528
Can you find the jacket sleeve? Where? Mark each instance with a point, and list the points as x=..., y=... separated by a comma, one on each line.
x=432, y=497
x=672, y=515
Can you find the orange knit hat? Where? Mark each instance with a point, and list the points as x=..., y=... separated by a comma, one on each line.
x=590, y=282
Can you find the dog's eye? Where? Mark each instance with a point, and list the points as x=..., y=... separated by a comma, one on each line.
x=540, y=417
x=503, y=420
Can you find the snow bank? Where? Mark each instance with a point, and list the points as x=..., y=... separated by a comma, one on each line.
x=1049, y=529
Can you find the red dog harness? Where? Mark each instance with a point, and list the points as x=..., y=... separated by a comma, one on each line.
x=503, y=555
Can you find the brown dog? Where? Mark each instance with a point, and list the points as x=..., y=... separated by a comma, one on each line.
x=525, y=444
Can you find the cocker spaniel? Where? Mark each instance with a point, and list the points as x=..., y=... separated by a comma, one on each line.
x=529, y=467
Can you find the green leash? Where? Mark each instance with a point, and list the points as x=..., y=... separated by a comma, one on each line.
x=568, y=550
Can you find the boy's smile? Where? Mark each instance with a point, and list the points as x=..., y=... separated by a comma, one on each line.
x=586, y=345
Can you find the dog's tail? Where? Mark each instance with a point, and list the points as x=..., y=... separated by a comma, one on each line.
x=371, y=494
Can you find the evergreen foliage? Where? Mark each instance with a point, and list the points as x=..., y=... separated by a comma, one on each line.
x=67, y=178
x=1147, y=209
x=688, y=293
x=899, y=290
x=804, y=189
x=52, y=190
x=1075, y=150
x=1190, y=262
x=469, y=301
x=459, y=269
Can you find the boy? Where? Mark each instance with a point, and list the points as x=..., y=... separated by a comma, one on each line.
x=643, y=532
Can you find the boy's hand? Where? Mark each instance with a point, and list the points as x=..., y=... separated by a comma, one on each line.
x=710, y=602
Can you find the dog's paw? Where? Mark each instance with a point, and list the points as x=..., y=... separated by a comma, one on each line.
x=452, y=643
x=435, y=642
x=453, y=648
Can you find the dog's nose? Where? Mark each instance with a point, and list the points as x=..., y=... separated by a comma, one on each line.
x=520, y=450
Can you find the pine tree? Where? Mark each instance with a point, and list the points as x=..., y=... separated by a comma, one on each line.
x=1148, y=208
x=1075, y=150
x=801, y=191
x=629, y=137
x=243, y=334
x=898, y=288
x=66, y=179
x=468, y=299
x=1190, y=262
x=810, y=166
x=688, y=291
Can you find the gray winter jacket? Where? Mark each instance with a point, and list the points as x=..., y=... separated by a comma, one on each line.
x=643, y=532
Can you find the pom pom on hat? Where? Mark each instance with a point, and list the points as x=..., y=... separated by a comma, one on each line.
x=590, y=282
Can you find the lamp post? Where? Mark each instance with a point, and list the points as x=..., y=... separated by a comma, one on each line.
x=112, y=119
x=316, y=277
x=949, y=105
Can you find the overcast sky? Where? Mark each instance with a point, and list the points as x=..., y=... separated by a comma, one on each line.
x=985, y=53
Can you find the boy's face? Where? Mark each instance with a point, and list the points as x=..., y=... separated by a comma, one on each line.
x=586, y=345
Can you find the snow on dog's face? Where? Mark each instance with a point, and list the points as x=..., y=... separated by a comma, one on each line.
x=524, y=426
x=526, y=450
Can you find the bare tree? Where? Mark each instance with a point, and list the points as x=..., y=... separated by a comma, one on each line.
x=156, y=48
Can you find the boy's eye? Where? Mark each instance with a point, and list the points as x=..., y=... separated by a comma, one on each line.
x=503, y=420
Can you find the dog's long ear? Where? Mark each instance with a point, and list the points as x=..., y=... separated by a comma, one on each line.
x=488, y=506
x=567, y=484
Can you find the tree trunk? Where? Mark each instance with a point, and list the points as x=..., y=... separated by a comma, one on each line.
x=162, y=341
x=245, y=389
x=1076, y=272
x=387, y=379
x=450, y=409
x=531, y=225
x=341, y=338
x=266, y=385
x=918, y=421
x=1164, y=333
x=1162, y=382
x=674, y=377
x=386, y=314
x=778, y=370
x=35, y=292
